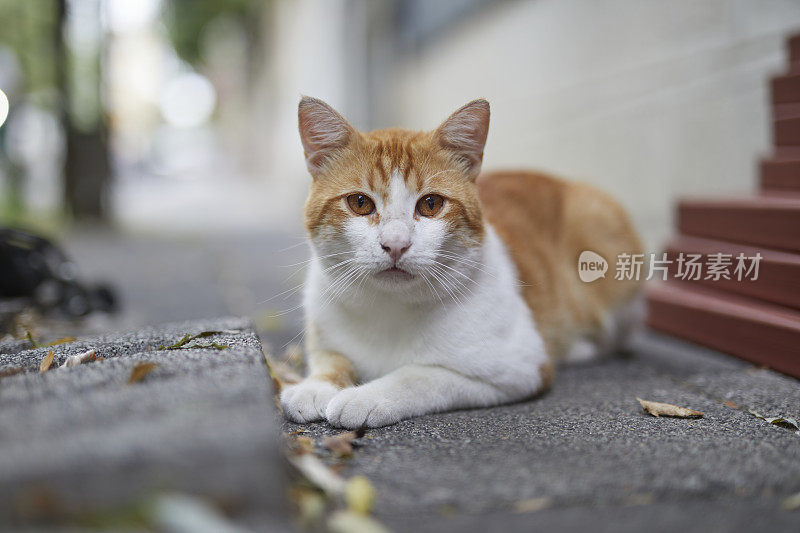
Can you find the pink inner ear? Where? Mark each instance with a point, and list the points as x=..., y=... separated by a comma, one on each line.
x=465, y=132
x=322, y=131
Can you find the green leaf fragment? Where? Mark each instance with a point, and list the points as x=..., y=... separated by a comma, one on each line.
x=186, y=339
x=784, y=422
x=30, y=338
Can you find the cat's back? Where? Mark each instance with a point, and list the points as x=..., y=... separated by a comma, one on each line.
x=529, y=207
x=546, y=222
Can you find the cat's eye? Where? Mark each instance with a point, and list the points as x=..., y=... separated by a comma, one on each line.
x=430, y=205
x=361, y=204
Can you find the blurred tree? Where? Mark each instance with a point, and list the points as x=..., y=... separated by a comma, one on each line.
x=186, y=19
x=66, y=80
x=26, y=30
x=87, y=167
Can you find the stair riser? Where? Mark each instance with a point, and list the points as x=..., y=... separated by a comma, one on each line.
x=786, y=132
x=793, y=46
x=771, y=228
x=754, y=341
x=777, y=282
x=780, y=176
x=785, y=89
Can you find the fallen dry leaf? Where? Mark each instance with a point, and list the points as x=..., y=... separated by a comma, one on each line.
x=62, y=340
x=301, y=445
x=342, y=444
x=311, y=505
x=731, y=404
x=531, y=505
x=10, y=371
x=359, y=494
x=791, y=503
x=667, y=409
x=350, y=522
x=317, y=473
x=75, y=360
x=140, y=371
x=44, y=366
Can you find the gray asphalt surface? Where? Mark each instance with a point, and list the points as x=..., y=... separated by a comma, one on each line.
x=592, y=459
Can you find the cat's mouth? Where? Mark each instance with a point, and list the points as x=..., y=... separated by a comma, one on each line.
x=396, y=274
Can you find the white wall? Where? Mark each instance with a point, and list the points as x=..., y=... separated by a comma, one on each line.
x=650, y=99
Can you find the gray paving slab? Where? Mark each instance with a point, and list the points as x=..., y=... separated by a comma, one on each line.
x=203, y=422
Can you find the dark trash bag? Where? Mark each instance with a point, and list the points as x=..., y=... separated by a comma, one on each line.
x=32, y=267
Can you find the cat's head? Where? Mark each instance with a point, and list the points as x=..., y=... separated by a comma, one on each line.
x=395, y=210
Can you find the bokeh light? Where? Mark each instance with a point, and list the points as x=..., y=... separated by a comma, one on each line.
x=3, y=107
x=188, y=100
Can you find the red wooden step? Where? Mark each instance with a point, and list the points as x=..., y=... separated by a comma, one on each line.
x=780, y=175
x=786, y=153
x=789, y=110
x=786, y=131
x=765, y=220
x=778, y=279
x=794, y=48
x=762, y=333
x=785, y=89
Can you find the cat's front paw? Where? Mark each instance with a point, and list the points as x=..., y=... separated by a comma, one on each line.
x=362, y=406
x=307, y=400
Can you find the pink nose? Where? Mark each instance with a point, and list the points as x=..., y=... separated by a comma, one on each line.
x=395, y=248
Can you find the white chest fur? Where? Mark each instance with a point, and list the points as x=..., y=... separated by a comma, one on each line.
x=488, y=333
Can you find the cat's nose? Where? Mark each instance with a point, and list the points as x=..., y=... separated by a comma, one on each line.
x=395, y=239
x=395, y=247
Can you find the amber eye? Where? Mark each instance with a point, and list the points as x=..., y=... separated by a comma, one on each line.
x=430, y=205
x=361, y=204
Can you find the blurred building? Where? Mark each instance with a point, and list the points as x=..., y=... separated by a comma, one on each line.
x=650, y=100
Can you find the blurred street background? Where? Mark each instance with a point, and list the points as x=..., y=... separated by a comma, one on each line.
x=156, y=140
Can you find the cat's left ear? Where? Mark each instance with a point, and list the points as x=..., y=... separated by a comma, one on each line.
x=464, y=134
x=323, y=131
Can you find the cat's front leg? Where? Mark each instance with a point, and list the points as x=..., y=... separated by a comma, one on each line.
x=307, y=401
x=415, y=390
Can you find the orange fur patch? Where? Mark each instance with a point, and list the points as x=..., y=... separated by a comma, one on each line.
x=546, y=223
x=366, y=165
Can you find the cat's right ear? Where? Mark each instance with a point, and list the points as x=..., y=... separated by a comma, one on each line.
x=323, y=132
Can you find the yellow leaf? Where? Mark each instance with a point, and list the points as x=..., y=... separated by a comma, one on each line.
x=667, y=409
x=62, y=340
x=44, y=366
x=531, y=505
x=359, y=494
x=350, y=522
x=140, y=371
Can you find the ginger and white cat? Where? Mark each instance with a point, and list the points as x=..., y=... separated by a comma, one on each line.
x=432, y=288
